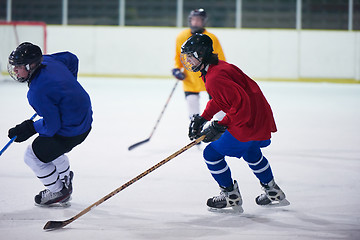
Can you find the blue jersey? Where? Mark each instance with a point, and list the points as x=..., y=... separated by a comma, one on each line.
x=57, y=97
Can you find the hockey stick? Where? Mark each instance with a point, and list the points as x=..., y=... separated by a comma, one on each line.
x=157, y=122
x=13, y=139
x=53, y=225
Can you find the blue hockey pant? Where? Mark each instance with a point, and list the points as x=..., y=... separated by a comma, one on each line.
x=227, y=145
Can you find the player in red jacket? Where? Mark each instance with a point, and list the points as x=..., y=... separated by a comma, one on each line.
x=246, y=127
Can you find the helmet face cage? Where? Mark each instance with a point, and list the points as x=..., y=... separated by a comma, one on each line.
x=27, y=55
x=196, y=51
x=30, y=68
x=13, y=74
x=190, y=61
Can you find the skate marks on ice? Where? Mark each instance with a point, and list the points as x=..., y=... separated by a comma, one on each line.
x=236, y=210
x=274, y=223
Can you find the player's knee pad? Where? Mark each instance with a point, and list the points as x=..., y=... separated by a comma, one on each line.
x=252, y=155
x=60, y=161
x=31, y=160
x=215, y=161
x=217, y=166
x=210, y=154
x=46, y=172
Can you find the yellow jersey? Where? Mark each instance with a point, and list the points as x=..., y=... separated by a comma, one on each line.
x=193, y=81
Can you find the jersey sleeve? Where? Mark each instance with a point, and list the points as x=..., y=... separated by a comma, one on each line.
x=230, y=98
x=210, y=110
x=70, y=60
x=178, y=63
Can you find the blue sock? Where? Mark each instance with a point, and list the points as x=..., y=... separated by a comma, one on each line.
x=261, y=169
x=218, y=167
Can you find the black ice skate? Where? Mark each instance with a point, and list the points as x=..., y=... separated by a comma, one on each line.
x=68, y=181
x=273, y=195
x=229, y=197
x=46, y=198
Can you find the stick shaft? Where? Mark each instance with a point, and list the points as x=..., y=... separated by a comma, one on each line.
x=158, y=120
x=14, y=138
x=163, y=110
x=66, y=222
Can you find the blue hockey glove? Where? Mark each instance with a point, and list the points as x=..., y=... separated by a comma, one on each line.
x=22, y=131
x=178, y=74
x=213, y=132
x=196, y=125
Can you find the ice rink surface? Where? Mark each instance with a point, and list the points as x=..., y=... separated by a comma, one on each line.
x=315, y=157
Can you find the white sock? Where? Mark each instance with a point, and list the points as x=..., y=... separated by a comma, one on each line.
x=219, y=115
x=62, y=165
x=193, y=103
x=46, y=172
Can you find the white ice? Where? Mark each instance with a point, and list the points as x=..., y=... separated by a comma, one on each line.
x=315, y=157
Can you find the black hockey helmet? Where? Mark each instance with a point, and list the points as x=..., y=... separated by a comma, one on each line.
x=28, y=55
x=198, y=46
x=198, y=13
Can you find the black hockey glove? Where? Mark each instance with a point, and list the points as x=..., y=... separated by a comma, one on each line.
x=22, y=131
x=196, y=125
x=213, y=132
x=178, y=74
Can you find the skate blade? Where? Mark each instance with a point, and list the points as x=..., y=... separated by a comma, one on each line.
x=281, y=203
x=55, y=205
x=64, y=204
x=232, y=210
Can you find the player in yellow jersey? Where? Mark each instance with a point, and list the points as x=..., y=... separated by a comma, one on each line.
x=192, y=82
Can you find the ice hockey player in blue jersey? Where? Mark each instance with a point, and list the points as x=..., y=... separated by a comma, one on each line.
x=66, y=117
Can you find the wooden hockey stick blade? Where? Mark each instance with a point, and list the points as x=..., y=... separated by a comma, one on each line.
x=138, y=144
x=53, y=225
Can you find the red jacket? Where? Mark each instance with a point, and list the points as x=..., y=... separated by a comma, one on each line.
x=248, y=114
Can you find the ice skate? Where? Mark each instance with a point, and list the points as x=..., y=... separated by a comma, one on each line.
x=68, y=182
x=46, y=198
x=273, y=195
x=229, y=200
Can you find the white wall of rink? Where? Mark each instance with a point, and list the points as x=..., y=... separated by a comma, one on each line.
x=262, y=54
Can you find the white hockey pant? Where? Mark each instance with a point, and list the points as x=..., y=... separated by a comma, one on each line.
x=193, y=103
